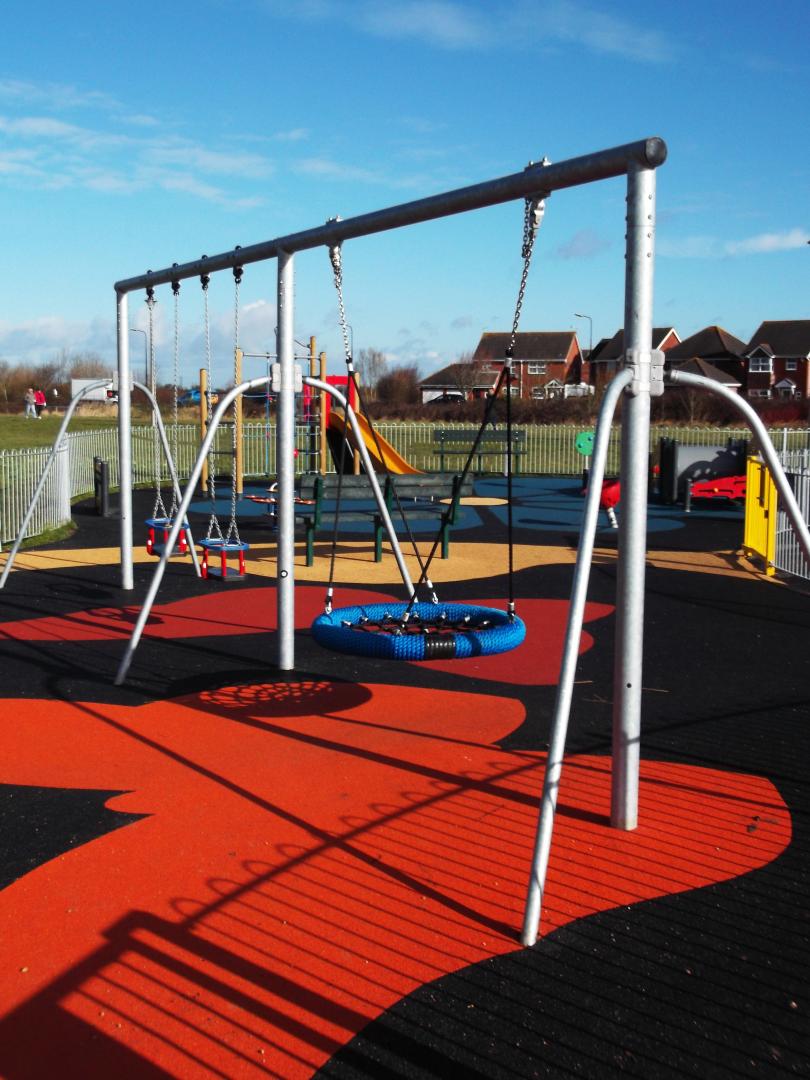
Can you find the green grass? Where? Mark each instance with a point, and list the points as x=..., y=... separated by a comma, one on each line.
x=17, y=433
x=50, y=536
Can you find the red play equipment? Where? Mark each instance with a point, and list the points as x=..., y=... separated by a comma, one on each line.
x=610, y=498
x=722, y=487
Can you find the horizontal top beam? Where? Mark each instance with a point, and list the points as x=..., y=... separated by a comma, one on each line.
x=535, y=179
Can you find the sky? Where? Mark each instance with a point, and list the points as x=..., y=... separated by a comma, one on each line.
x=133, y=138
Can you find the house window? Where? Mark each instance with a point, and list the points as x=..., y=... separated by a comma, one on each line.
x=536, y=367
x=791, y=365
x=760, y=365
x=759, y=393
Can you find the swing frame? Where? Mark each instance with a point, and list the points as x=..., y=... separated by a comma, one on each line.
x=641, y=378
x=638, y=163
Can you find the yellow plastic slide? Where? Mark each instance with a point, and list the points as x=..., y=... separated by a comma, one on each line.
x=391, y=461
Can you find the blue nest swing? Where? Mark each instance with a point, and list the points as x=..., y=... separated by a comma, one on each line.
x=420, y=631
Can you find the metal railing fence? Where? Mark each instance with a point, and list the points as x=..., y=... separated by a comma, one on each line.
x=789, y=556
x=548, y=450
x=20, y=472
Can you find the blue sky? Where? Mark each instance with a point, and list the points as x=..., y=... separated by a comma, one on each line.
x=134, y=138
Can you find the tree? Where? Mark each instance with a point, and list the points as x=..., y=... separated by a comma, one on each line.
x=371, y=366
x=469, y=373
x=400, y=386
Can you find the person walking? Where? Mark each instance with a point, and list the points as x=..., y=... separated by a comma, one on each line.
x=40, y=402
x=30, y=404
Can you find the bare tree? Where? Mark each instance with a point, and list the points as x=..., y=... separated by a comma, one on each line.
x=371, y=365
x=470, y=374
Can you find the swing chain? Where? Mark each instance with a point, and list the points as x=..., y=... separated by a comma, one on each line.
x=175, y=381
x=159, y=510
x=533, y=211
x=336, y=258
x=232, y=535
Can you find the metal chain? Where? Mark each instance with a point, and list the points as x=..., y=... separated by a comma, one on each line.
x=336, y=258
x=159, y=509
x=533, y=212
x=233, y=528
x=175, y=383
x=214, y=531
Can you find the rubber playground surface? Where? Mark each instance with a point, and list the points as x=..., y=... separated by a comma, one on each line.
x=221, y=870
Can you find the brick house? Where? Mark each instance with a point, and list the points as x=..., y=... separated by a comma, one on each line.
x=546, y=364
x=607, y=354
x=778, y=360
x=717, y=351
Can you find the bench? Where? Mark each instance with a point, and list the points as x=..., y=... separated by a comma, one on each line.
x=420, y=495
x=457, y=442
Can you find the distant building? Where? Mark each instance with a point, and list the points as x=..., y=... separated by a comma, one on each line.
x=778, y=360
x=713, y=353
x=606, y=357
x=545, y=364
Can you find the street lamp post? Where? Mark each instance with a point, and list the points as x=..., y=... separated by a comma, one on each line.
x=136, y=330
x=590, y=340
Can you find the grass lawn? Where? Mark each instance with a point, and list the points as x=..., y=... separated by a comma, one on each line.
x=18, y=433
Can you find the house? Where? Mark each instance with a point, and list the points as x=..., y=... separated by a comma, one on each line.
x=606, y=357
x=712, y=352
x=698, y=366
x=463, y=381
x=546, y=364
x=778, y=360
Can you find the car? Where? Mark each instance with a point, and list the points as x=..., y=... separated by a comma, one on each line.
x=192, y=397
x=446, y=399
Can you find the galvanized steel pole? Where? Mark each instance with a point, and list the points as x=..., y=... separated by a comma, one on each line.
x=568, y=664
x=125, y=441
x=629, y=646
x=533, y=180
x=285, y=465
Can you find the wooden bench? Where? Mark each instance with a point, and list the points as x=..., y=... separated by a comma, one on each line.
x=457, y=442
x=422, y=495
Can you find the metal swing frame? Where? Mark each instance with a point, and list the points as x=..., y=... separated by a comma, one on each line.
x=641, y=379
x=71, y=408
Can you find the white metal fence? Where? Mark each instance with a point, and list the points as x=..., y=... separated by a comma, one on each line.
x=548, y=450
x=788, y=556
x=20, y=472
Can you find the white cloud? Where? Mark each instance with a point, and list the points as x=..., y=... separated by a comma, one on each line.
x=189, y=156
x=293, y=135
x=40, y=340
x=711, y=247
x=765, y=242
x=447, y=25
x=334, y=170
x=56, y=96
x=521, y=25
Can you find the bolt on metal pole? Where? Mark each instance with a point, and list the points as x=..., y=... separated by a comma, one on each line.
x=629, y=646
x=125, y=441
x=285, y=465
